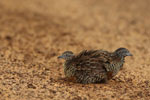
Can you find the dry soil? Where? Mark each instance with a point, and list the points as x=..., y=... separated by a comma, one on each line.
x=34, y=32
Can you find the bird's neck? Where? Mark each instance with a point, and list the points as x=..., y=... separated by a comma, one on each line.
x=118, y=57
x=67, y=61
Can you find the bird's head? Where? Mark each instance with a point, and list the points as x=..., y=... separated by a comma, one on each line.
x=67, y=55
x=123, y=52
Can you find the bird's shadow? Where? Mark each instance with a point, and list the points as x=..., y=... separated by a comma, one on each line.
x=103, y=82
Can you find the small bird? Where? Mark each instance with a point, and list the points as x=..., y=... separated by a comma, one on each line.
x=93, y=66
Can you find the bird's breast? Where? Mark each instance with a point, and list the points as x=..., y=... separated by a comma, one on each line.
x=69, y=70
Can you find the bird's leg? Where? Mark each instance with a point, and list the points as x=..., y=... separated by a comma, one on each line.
x=71, y=79
x=105, y=81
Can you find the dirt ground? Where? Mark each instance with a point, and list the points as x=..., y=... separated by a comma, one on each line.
x=34, y=32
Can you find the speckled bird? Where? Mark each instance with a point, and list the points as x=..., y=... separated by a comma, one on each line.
x=93, y=66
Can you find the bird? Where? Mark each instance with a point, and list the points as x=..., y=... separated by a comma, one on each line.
x=93, y=66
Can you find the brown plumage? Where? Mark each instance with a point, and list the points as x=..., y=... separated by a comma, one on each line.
x=94, y=65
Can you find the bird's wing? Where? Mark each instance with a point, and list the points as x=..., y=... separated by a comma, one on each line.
x=92, y=61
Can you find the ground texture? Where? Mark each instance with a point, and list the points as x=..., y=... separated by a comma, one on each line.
x=34, y=32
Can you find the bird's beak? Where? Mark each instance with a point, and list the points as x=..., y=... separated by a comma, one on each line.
x=129, y=54
x=60, y=57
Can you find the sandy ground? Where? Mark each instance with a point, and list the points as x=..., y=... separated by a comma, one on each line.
x=34, y=32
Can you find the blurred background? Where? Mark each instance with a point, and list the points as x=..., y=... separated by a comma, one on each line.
x=34, y=32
